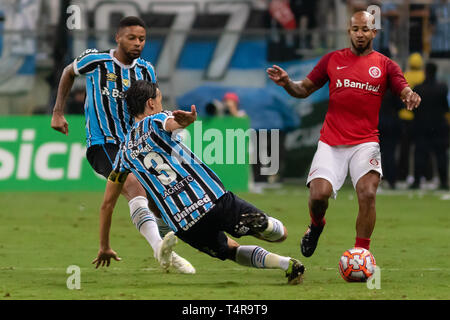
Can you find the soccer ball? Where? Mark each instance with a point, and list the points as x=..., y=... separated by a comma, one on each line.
x=357, y=265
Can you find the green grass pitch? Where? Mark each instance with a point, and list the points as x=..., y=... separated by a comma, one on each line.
x=41, y=234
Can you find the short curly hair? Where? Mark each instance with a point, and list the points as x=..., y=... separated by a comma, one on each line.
x=138, y=94
x=131, y=21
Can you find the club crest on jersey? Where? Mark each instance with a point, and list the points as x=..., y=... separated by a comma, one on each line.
x=375, y=72
x=126, y=82
x=374, y=162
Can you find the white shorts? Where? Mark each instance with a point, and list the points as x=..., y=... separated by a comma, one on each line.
x=333, y=163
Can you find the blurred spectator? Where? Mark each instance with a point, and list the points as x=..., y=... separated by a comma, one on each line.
x=431, y=129
x=414, y=75
x=389, y=127
x=231, y=103
x=282, y=45
x=440, y=28
x=75, y=103
x=305, y=12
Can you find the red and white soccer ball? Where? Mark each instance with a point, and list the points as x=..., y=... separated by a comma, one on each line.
x=357, y=265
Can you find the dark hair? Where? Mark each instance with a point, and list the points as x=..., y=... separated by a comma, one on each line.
x=131, y=21
x=138, y=94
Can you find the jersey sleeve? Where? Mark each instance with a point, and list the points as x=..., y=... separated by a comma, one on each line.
x=319, y=75
x=88, y=60
x=160, y=119
x=396, y=79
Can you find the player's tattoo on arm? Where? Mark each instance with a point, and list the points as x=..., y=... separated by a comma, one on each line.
x=300, y=89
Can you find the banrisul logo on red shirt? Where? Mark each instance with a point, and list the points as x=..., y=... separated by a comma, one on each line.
x=374, y=72
x=347, y=83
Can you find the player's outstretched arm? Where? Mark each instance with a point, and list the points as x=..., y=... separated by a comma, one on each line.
x=59, y=122
x=410, y=98
x=297, y=89
x=181, y=119
x=112, y=193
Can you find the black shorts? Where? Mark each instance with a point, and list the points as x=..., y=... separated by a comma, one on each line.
x=208, y=234
x=101, y=157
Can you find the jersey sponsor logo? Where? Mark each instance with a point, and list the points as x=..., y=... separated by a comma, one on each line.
x=178, y=187
x=114, y=93
x=193, y=207
x=347, y=83
x=374, y=72
x=339, y=68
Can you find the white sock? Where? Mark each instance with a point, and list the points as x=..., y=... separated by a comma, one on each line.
x=274, y=231
x=144, y=221
x=257, y=257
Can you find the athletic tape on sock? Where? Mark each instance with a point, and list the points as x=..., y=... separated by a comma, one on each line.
x=274, y=231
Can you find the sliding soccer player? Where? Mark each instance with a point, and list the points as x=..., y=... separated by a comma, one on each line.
x=192, y=200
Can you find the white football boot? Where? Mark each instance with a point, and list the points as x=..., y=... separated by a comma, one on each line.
x=167, y=257
x=181, y=264
x=166, y=249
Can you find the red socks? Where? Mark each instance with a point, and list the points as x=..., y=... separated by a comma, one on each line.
x=317, y=221
x=362, y=243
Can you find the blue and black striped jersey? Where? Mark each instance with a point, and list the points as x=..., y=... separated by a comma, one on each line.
x=107, y=118
x=182, y=186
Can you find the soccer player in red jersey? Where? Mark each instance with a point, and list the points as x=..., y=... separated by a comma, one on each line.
x=358, y=78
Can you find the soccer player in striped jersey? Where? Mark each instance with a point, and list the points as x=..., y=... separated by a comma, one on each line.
x=108, y=74
x=191, y=198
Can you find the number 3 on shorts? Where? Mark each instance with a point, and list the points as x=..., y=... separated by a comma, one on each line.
x=155, y=161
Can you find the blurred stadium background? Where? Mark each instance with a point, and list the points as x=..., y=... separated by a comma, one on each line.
x=201, y=49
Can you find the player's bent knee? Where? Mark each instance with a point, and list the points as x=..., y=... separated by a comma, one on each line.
x=320, y=190
x=132, y=188
x=320, y=195
x=367, y=195
x=232, y=249
x=285, y=235
x=275, y=232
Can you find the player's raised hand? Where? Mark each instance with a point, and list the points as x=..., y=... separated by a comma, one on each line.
x=104, y=257
x=185, y=118
x=278, y=75
x=412, y=100
x=59, y=123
